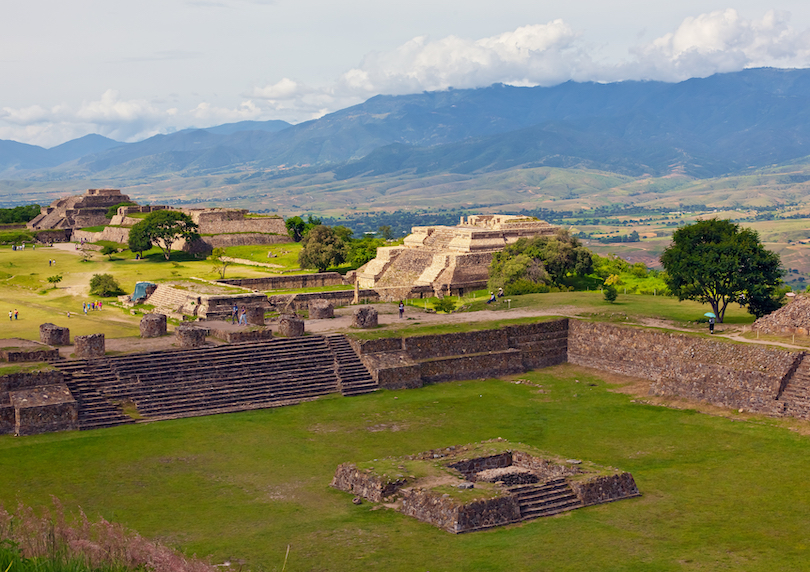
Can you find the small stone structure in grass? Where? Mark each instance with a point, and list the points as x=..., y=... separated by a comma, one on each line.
x=478, y=486
x=54, y=335
x=190, y=337
x=290, y=326
x=364, y=317
x=254, y=315
x=321, y=309
x=91, y=346
x=153, y=325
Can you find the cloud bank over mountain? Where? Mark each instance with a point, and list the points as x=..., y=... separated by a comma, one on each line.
x=538, y=54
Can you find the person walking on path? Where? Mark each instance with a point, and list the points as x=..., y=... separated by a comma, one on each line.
x=10, y=315
x=711, y=325
x=243, y=316
x=234, y=311
x=16, y=314
x=401, y=309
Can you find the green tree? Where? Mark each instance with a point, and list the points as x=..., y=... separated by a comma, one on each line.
x=715, y=262
x=610, y=293
x=108, y=250
x=385, y=231
x=322, y=248
x=164, y=228
x=104, y=285
x=446, y=305
x=364, y=250
x=297, y=228
x=540, y=262
x=55, y=279
x=219, y=261
x=139, y=239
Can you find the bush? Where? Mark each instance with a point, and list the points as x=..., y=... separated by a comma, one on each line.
x=525, y=286
x=446, y=305
x=610, y=293
x=104, y=285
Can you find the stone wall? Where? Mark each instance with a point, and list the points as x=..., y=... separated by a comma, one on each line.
x=289, y=282
x=233, y=337
x=26, y=380
x=337, y=297
x=7, y=418
x=153, y=325
x=426, y=347
x=470, y=467
x=54, y=335
x=544, y=469
x=44, y=409
x=28, y=354
x=449, y=514
x=720, y=373
x=89, y=346
x=490, y=364
x=605, y=489
x=364, y=483
x=190, y=337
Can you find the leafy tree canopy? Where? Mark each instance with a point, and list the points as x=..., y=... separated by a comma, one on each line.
x=297, y=228
x=716, y=262
x=533, y=265
x=322, y=248
x=104, y=285
x=19, y=214
x=219, y=259
x=163, y=229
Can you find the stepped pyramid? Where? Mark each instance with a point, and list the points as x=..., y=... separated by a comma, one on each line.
x=89, y=209
x=450, y=259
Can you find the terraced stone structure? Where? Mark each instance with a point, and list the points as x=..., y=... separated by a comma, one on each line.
x=89, y=209
x=497, y=485
x=36, y=402
x=794, y=318
x=450, y=259
x=213, y=379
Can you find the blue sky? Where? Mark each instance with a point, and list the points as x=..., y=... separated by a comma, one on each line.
x=129, y=70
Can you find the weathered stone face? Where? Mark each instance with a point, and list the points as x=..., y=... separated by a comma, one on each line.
x=290, y=326
x=54, y=335
x=254, y=315
x=89, y=346
x=321, y=309
x=153, y=325
x=364, y=318
x=44, y=409
x=190, y=337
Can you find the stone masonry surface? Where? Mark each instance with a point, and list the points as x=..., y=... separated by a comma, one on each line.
x=153, y=325
x=54, y=335
x=89, y=346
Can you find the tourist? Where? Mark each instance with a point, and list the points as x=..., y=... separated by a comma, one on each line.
x=68, y=314
x=49, y=262
x=10, y=315
x=401, y=309
x=16, y=314
x=243, y=316
x=491, y=298
x=99, y=304
x=84, y=307
x=500, y=292
x=234, y=312
x=711, y=324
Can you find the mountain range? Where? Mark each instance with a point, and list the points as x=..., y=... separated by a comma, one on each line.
x=704, y=127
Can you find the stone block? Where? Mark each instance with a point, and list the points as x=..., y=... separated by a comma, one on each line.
x=254, y=315
x=290, y=326
x=89, y=346
x=364, y=317
x=44, y=409
x=321, y=309
x=190, y=337
x=153, y=325
x=54, y=335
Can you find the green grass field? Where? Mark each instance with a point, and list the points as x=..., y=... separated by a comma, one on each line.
x=718, y=493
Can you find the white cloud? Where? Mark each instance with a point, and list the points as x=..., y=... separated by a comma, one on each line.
x=211, y=115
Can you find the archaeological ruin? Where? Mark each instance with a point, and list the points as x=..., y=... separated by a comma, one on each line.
x=483, y=485
x=448, y=259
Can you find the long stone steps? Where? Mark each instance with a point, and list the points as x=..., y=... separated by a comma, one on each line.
x=552, y=497
x=796, y=396
x=353, y=377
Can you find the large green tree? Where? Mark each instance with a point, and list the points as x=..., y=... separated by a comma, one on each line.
x=163, y=229
x=298, y=228
x=533, y=265
x=715, y=262
x=321, y=248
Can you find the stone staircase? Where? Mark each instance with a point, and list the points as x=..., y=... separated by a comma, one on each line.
x=796, y=396
x=353, y=377
x=405, y=269
x=210, y=380
x=168, y=300
x=431, y=273
x=552, y=497
x=82, y=378
x=440, y=239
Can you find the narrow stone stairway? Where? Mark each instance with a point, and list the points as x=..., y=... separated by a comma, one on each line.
x=82, y=378
x=552, y=497
x=353, y=377
x=796, y=396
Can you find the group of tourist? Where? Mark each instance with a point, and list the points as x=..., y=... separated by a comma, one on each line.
x=22, y=246
x=239, y=315
x=90, y=306
x=13, y=315
x=492, y=297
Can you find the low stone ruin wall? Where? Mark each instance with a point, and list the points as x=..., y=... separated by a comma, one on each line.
x=54, y=335
x=427, y=347
x=153, y=326
x=544, y=469
x=452, y=516
x=491, y=364
x=44, y=409
x=720, y=373
x=233, y=337
x=364, y=484
x=89, y=346
x=28, y=354
x=337, y=298
x=26, y=380
x=470, y=467
x=605, y=489
x=289, y=282
x=54, y=235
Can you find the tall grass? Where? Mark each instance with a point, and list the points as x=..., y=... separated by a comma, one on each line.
x=48, y=543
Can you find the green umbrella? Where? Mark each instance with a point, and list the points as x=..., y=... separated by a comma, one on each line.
x=710, y=315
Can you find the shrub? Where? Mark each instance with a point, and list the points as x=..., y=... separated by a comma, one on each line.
x=446, y=304
x=610, y=293
x=104, y=285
